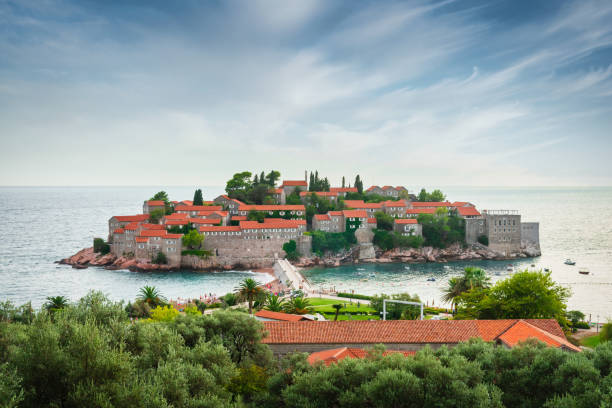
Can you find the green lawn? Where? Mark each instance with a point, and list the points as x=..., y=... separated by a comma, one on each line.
x=325, y=306
x=590, y=341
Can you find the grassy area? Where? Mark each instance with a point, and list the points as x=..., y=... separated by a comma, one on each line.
x=330, y=316
x=590, y=341
x=325, y=306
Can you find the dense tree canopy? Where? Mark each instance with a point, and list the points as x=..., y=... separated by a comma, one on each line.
x=198, y=199
x=441, y=229
x=435, y=195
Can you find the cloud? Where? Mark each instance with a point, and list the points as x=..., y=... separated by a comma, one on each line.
x=432, y=91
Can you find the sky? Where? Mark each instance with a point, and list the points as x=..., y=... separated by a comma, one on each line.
x=429, y=93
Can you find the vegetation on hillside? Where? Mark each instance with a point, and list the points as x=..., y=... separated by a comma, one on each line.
x=441, y=229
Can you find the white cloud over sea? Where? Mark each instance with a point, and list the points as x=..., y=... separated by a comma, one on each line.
x=419, y=92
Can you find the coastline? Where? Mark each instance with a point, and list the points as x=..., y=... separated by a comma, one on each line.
x=87, y=257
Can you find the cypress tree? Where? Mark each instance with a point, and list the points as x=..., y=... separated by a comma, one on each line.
x=311, y=185
x=197, y=197
x=255, y=180
x=342, y=181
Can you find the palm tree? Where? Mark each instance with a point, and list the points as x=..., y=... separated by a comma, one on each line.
x=298, y=305
x=151, y=295
x=472, y=278
x=55, y=303
x=274, y=303
x=249, y=290
x=337, y=307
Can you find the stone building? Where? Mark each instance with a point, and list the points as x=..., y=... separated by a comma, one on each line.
x=329, y=195
x=407, y=227
x=342, y=191
x=289, y=186
x=152, y=205
x=293, y=211
x=503, y=230
x=396, y=209
x=279, y=195
x=370, y=208
x=120, y=221
x=530, y=234
x=194, y=210
x=229, y=204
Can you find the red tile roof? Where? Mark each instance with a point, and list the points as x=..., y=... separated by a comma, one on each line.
x=262, y=225
x=405, y=221
x=372, y=188
x=213, y=212
x=335, y=213
x=334, y=355
x=294, y=183
x=152, y=226
x=286, y=317
x=132, y=218
x=355, y=214
x=118, y=231
x=360, y=204
x=395, y=331
x=322, y=217
x=319, y=193
x=205, y=220
x=468, y=211
x=176, y=216
x=142, y=239
x=371, y=220
x=184, y=221
x=173, y=236
x=272, y=208
x=344, y=189
x=220, y=228
x=198, y=208
x=522, y=331
x=156, y=203
x=152, y=233
x=187, y=202
x=132, y=226
x=391, y=203
x=431, y=204
x=239, y=218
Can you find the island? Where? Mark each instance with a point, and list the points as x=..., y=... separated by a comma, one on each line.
x=308, y=222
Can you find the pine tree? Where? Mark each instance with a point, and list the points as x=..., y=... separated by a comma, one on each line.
x=342, y=181
x=197, y=197
x=262, y=177
x=255, y=180
x=359, y=184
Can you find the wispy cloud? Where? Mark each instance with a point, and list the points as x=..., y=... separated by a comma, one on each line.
x=141, y=93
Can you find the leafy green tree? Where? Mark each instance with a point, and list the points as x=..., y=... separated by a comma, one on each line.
x=198, y=199
x=384, y=221
x=161, y=196
x=290, y=249
x=575, y=316
x=294, y=197
x=101, y=247
x=258, y=193
x=156, y=215
x=230, y=300
x=56, y=303
x=193, y=239
x=442, y=230
x=249, y=289
x=525, y=295
x=239, y=185
x=274, y=303
x=11, y=393
x=152, y=296
x=472, y=278
x=483, y=239
x=164, y=314
x=298, y=305
x=272, y=177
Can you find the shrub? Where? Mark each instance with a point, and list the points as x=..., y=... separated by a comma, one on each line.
x=606, y=332
x=160, y=259
x=290, y=249
x=484, y=240
x=164, y=314
x=101, y=247
x=193, y=239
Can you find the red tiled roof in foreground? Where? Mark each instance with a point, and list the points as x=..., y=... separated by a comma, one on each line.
x=523, y=330
x=286, y=317
x=396, y=331
x=334, y=355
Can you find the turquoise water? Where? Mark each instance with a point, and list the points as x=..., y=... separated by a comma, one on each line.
x=42, y=225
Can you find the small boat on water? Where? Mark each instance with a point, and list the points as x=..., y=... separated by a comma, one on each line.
x=431, y=279
x=363, y=280
x=510, y=268
x=407, y=268
x=569, y=262
x=372, y=275
x=533, y=265
x=583, y=271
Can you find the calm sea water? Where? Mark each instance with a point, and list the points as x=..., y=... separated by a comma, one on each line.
x=42, y=225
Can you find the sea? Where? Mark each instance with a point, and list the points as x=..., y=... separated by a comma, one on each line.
x=42, y=225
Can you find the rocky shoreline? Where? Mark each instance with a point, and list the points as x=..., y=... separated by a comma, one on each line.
x=87, y=257
x=420, y=255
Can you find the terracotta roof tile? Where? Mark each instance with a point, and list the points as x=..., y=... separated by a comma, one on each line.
x=344, y=189
x=431, y=204
x=198, y=208
x=322, y=217
x=522, y=331
x=156, y=203
x=359, y=204
x=355, y=214
x=132, y=218
x=420, y=210
x=152, y=226
x=405, y=221
x=118, y=231
x=272, y=208
x=334, y=355
x=142, y=239
x=319, y=193
x=468, y=211
x=286, y=317
x=220, y=228
x=292, y=183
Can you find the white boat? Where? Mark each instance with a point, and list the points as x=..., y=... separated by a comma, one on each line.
x=569, y=262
